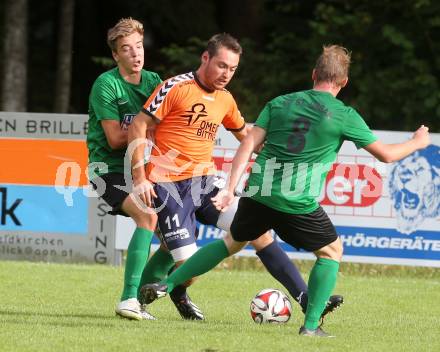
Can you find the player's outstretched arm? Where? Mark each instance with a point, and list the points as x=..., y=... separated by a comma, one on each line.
x=244, y=132
x=137, y=138
x=389, y=153
x=254, y=138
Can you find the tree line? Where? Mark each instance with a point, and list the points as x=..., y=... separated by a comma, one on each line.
x=52, y=51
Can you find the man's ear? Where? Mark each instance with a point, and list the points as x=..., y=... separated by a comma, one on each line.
x=115, y=56
x=205, y=57
x=344, y=82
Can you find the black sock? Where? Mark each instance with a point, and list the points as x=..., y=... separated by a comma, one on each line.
x=281, y=268
x=178, y=293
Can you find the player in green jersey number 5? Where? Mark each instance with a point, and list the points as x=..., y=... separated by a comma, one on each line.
x=302, y=133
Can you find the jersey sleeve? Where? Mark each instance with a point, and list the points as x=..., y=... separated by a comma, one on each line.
x=233, y=121
x=264, y=117
x=161, y=101
x=103, y=100
x=356, y=130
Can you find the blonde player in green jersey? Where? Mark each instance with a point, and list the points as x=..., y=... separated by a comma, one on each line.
x=116, y=97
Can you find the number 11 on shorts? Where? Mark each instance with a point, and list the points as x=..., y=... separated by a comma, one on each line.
x=175, y=219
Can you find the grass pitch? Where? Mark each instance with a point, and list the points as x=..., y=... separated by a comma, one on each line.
x=53, y=307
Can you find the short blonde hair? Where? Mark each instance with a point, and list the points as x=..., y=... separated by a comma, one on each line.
x=333, y=65
x=124, y=27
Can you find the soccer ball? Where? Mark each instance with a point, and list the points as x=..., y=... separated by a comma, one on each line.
x=271, y=306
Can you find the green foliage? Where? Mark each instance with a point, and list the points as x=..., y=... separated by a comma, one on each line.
x=395, y=73
x=175, y=21
x=181, y=59
x=106, y=62
x=395, y=76
x=53, y=307
x=394, y=81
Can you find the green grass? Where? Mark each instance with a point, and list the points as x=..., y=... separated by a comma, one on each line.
x=53, y=307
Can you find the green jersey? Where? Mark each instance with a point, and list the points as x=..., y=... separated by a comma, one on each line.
x=304, y=132
x=113, y=98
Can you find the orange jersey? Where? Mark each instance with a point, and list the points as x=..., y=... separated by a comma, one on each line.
x=188, y=116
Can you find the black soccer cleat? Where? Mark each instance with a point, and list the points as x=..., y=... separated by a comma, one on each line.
x=332, y=303
x=187, y=309
x=151, y=292
x=318, y=332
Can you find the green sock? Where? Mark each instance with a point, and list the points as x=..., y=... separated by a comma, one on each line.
x=137, y=255
x=157, y=268
x=322, y=281
x=205, y=259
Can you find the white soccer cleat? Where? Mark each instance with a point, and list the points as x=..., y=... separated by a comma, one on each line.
x=131, y=309
x=145, y=314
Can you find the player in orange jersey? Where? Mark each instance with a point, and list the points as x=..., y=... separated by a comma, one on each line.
x=180, y=180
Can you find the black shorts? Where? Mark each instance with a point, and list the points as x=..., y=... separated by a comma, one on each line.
x=113, y=196
x=311, y=231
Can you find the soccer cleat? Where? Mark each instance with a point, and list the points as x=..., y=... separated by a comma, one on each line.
x=145, y=314
x=333, y=303
x=129, y=309
x=187, y=309
x=318, y=332
x=151, y=292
